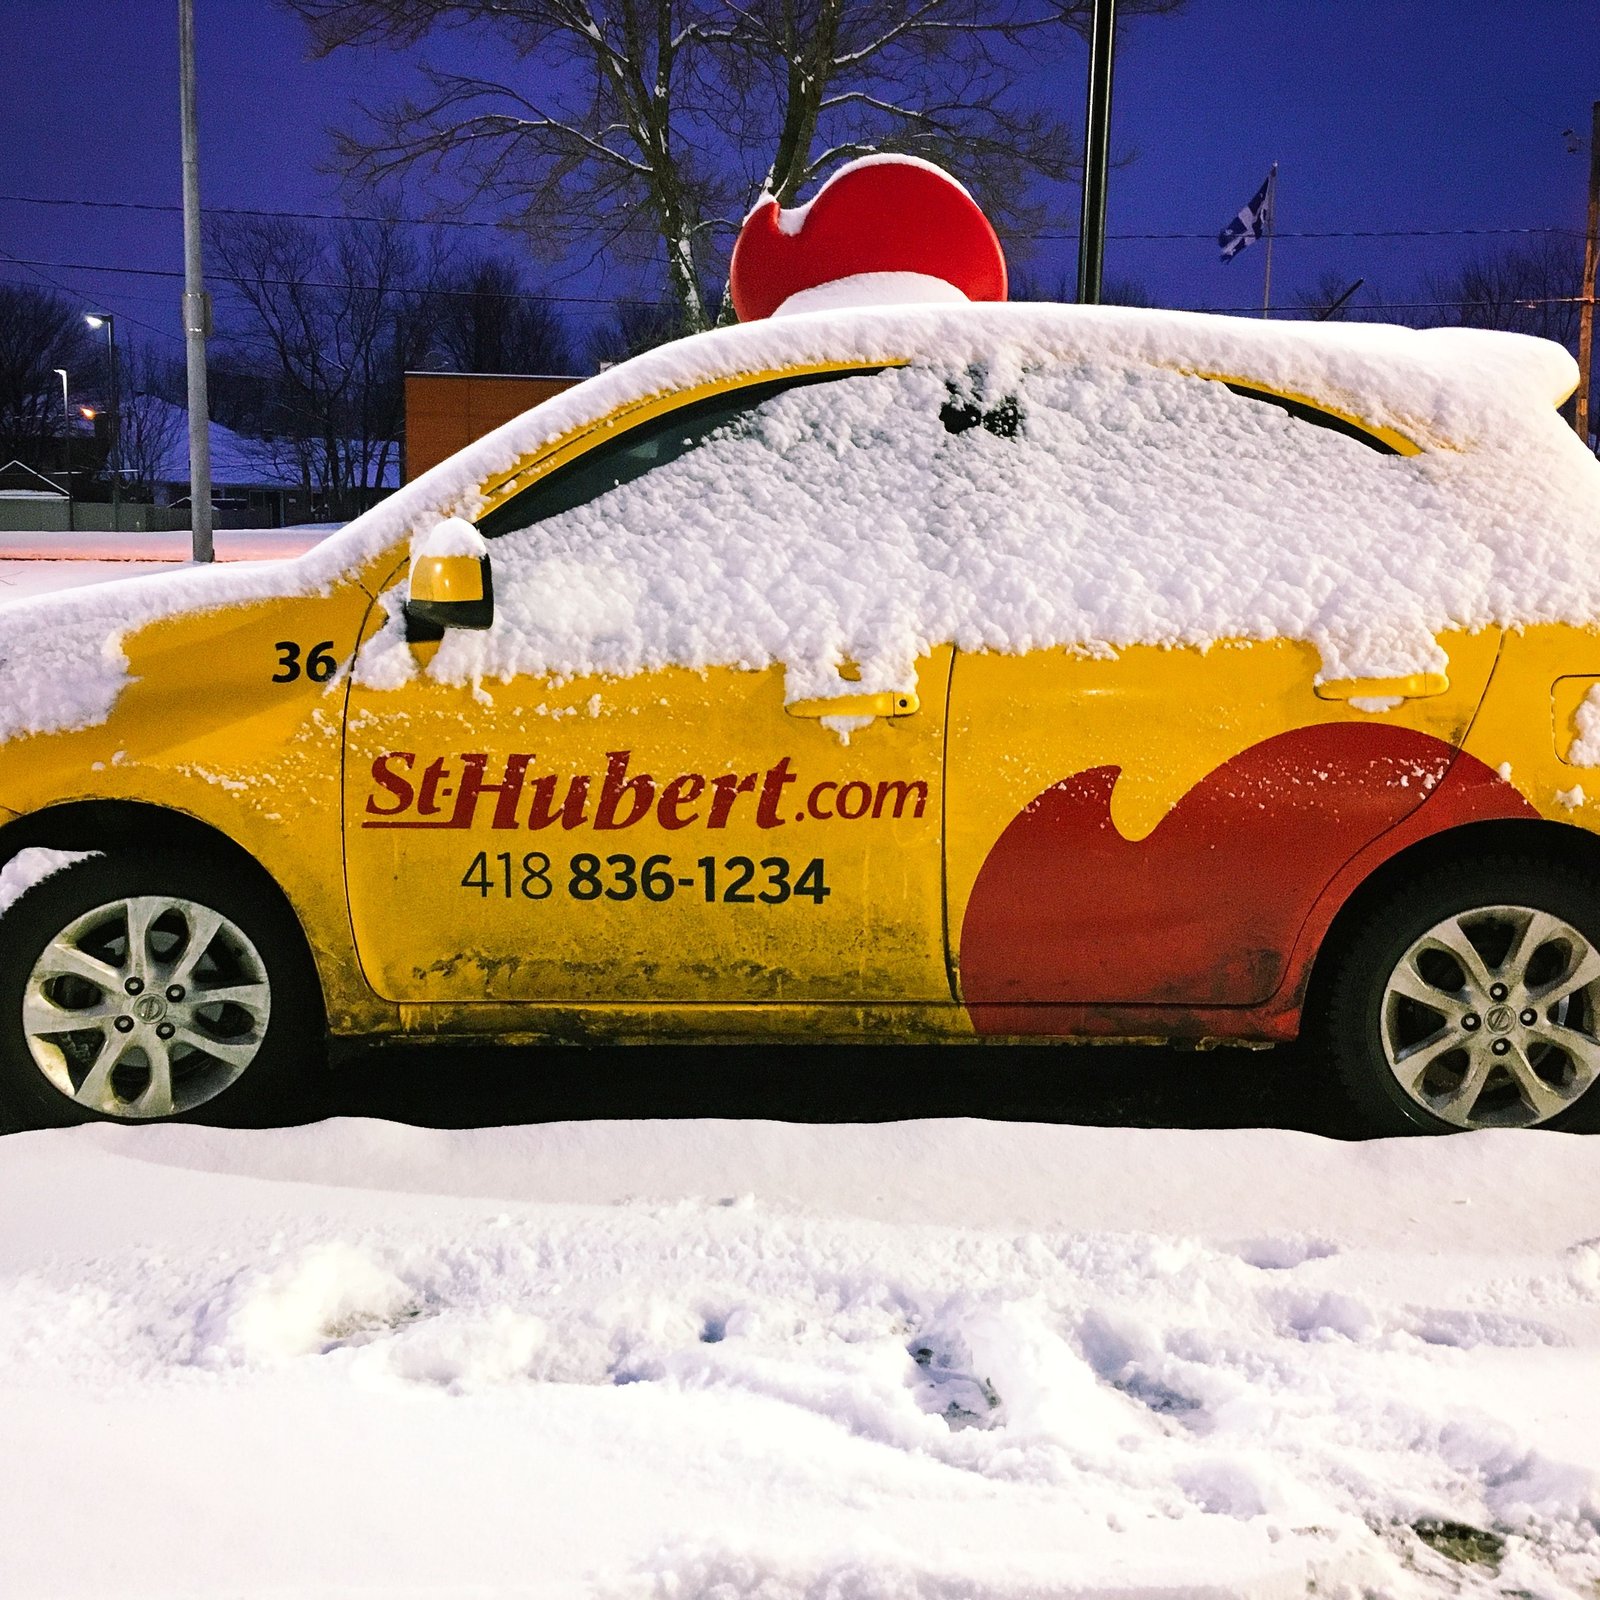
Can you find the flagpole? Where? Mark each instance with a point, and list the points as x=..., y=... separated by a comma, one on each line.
x=1272, y=224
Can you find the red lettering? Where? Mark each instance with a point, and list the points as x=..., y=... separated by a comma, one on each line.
x=427, y=803
x=541, y=812
x=508, y=790
x=680, y=792
x=813, y=801
x=778, y=778
x=399, y=787
x=727, y=787
x=850, y=811
x=900, y=792
x=640, y=791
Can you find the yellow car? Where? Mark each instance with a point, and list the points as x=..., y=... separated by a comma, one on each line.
x=936, y=673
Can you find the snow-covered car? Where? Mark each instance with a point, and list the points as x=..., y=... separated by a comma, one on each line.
x=932, y=672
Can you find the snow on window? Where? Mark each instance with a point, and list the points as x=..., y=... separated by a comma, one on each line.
x=1117, y=505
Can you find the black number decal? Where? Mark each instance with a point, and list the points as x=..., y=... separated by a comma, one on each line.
x=811, y=885
x=777, y=889
x=320, y=665
x=585, y=883
x=656, y=879
x=536, y=875
x=288, y=661
x=708, y=865
x=626, y=888
x=743, y=870
x=480, y=866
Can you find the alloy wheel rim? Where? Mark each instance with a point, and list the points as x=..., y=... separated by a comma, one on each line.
x=1492, y=1018
x=145, y=1007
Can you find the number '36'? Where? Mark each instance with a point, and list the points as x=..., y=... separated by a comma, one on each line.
x=319, y=667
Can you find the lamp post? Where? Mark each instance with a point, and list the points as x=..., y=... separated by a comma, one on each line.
x=104, y=319
x=66, y=412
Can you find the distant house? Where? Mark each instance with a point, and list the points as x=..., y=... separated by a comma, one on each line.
x=254, y=482
x=20, y=482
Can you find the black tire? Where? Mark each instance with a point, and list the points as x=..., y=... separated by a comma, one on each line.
x=1350, y=1015
x=286, y=1051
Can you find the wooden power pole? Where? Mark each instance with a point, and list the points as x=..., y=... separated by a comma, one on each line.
x=1591, y=260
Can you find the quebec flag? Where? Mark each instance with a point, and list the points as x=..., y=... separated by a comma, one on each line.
x=1251, y=222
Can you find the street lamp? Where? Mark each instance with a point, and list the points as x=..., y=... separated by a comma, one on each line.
x=66, y=412
x=105, y=319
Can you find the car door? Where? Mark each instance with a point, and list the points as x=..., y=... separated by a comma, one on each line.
x=1149, y=825
x=668, y=834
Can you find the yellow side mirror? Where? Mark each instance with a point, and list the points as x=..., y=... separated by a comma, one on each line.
x=452, y=584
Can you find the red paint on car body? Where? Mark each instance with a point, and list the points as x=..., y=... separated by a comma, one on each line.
x=1208, y=912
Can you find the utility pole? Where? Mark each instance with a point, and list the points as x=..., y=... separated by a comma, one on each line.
x=1096, y=153
x=196, y=302
x=1591, y=260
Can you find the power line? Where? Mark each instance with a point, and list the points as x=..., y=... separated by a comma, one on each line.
x=1052, y=235
x=1520, y=302
x=55, y=283
x=310, y=283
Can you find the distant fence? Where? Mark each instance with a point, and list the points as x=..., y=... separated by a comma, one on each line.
x=91, y=516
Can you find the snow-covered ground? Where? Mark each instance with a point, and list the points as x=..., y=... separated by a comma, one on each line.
x=37, y=563
x=719, y=1360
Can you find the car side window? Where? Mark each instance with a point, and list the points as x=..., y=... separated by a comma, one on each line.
x=639, y=450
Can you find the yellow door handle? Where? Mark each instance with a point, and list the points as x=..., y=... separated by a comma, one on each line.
x=887, y=703
x=1416, y=686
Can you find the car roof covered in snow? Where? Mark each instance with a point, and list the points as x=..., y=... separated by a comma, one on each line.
x=1442, y=387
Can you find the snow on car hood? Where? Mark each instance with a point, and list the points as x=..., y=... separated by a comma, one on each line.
x=846, y=523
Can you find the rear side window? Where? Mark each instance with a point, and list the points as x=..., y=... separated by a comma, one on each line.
x=641, y=449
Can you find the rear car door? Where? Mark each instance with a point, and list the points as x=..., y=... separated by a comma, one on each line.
x=1149, y=825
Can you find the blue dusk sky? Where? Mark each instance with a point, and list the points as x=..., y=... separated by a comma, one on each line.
x=1409, y=114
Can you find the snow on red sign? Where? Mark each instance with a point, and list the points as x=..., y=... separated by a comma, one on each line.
x=880, y=214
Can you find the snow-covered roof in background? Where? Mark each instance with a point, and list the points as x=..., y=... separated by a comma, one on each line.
x=1138, y=506
x=240, y=461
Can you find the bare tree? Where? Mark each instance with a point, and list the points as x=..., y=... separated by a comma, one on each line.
x=485, y=319
x=153, y=431
x=326, y=323
x=1532, y=286
x=628, y=123
x=1114, y=292
x=634, y=325
x=1325, y=301
x=39, y=331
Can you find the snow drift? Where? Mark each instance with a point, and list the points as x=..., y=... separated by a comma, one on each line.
x=716, y=1360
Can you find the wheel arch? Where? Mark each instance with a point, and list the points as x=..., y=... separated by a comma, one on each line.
x=1560, y=843
x=108, y=825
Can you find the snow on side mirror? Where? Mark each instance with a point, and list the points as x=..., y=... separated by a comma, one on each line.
x=452, y=585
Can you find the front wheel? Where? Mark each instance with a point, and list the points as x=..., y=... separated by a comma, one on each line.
x=1470, y=998
x=150, y=987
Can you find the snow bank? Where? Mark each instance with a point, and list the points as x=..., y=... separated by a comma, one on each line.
x=1268, y=525
x=942, y=1359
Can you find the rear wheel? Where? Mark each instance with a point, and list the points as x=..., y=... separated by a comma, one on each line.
x=149, y=988
x=1470, y=998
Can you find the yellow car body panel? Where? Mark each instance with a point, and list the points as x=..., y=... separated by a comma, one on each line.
x=486, y=898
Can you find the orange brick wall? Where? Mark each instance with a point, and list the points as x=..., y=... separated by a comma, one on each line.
x=446, y=410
